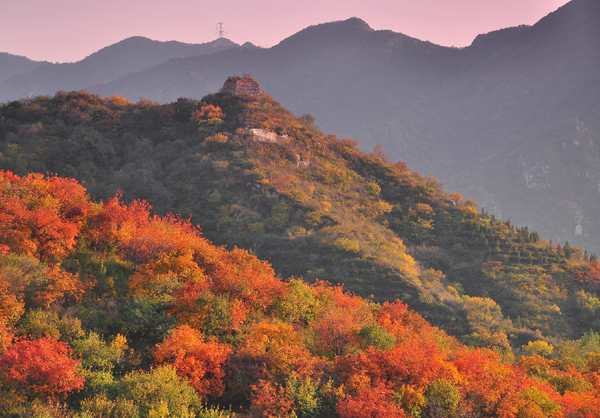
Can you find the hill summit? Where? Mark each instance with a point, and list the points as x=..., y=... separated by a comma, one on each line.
x=242, y=85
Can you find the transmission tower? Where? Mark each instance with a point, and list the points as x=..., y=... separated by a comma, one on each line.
x=220, y=29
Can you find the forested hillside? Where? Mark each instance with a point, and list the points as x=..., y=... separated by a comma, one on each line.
x=109, y=311
x=254, y=176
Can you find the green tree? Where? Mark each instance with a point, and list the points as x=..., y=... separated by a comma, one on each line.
x=157, y=393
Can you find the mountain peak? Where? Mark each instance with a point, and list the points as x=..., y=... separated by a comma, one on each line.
x=577, y=16
x=357, y=23
x=14, y=64
x=351, y=25
x=348, y=29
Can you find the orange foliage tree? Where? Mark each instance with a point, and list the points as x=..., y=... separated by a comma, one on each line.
x=245, y=282
x=341, y=317
x=12, y=305
x=279, y=346
x=140, y=236
x=58, y=284
x=243, y=276
x=581, y=405
x=269, y=400
x=201, y=362
x=492, y=387
x=374, y=402
x=41, y=216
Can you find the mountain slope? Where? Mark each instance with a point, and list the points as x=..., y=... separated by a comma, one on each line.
x=128, y=56
x=557, y=171
x=15, y=64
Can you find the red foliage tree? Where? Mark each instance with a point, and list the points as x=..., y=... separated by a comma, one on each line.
x=375, y=402
x=201, y=362
x=41, y=216
x=41, y=367
x=269, y=400
x=586, y=274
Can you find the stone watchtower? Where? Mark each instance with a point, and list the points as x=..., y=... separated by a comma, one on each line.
x=242, y=85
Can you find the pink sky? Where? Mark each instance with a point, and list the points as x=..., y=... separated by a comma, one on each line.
x=69, y=30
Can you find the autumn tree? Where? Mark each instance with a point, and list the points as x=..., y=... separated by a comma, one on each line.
x=341, y=317
x=41, y=216
x=373, y=402
x=41, y=368
x=209, y=118
x=201, y=362
x=270, y=400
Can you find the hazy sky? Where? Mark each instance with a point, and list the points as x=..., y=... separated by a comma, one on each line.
x=69, y=30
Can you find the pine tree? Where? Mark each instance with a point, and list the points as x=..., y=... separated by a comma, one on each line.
x=567, y=250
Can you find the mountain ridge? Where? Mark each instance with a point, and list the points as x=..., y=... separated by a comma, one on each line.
x=11, y=64
x=127, y=56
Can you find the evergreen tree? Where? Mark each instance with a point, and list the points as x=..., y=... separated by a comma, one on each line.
x=567, y=250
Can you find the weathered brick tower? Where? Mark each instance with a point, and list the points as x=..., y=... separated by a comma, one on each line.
x=242, y=85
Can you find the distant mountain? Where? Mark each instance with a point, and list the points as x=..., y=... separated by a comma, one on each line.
x=14, y=64
x=557, y=171
x=128, y=56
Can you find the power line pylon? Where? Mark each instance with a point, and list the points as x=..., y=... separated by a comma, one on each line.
x=220, y=29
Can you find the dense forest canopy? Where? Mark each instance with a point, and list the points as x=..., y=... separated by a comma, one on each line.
x=107, y=310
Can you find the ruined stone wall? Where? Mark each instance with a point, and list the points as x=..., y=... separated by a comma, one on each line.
x=246, y=85
x=230, y=86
